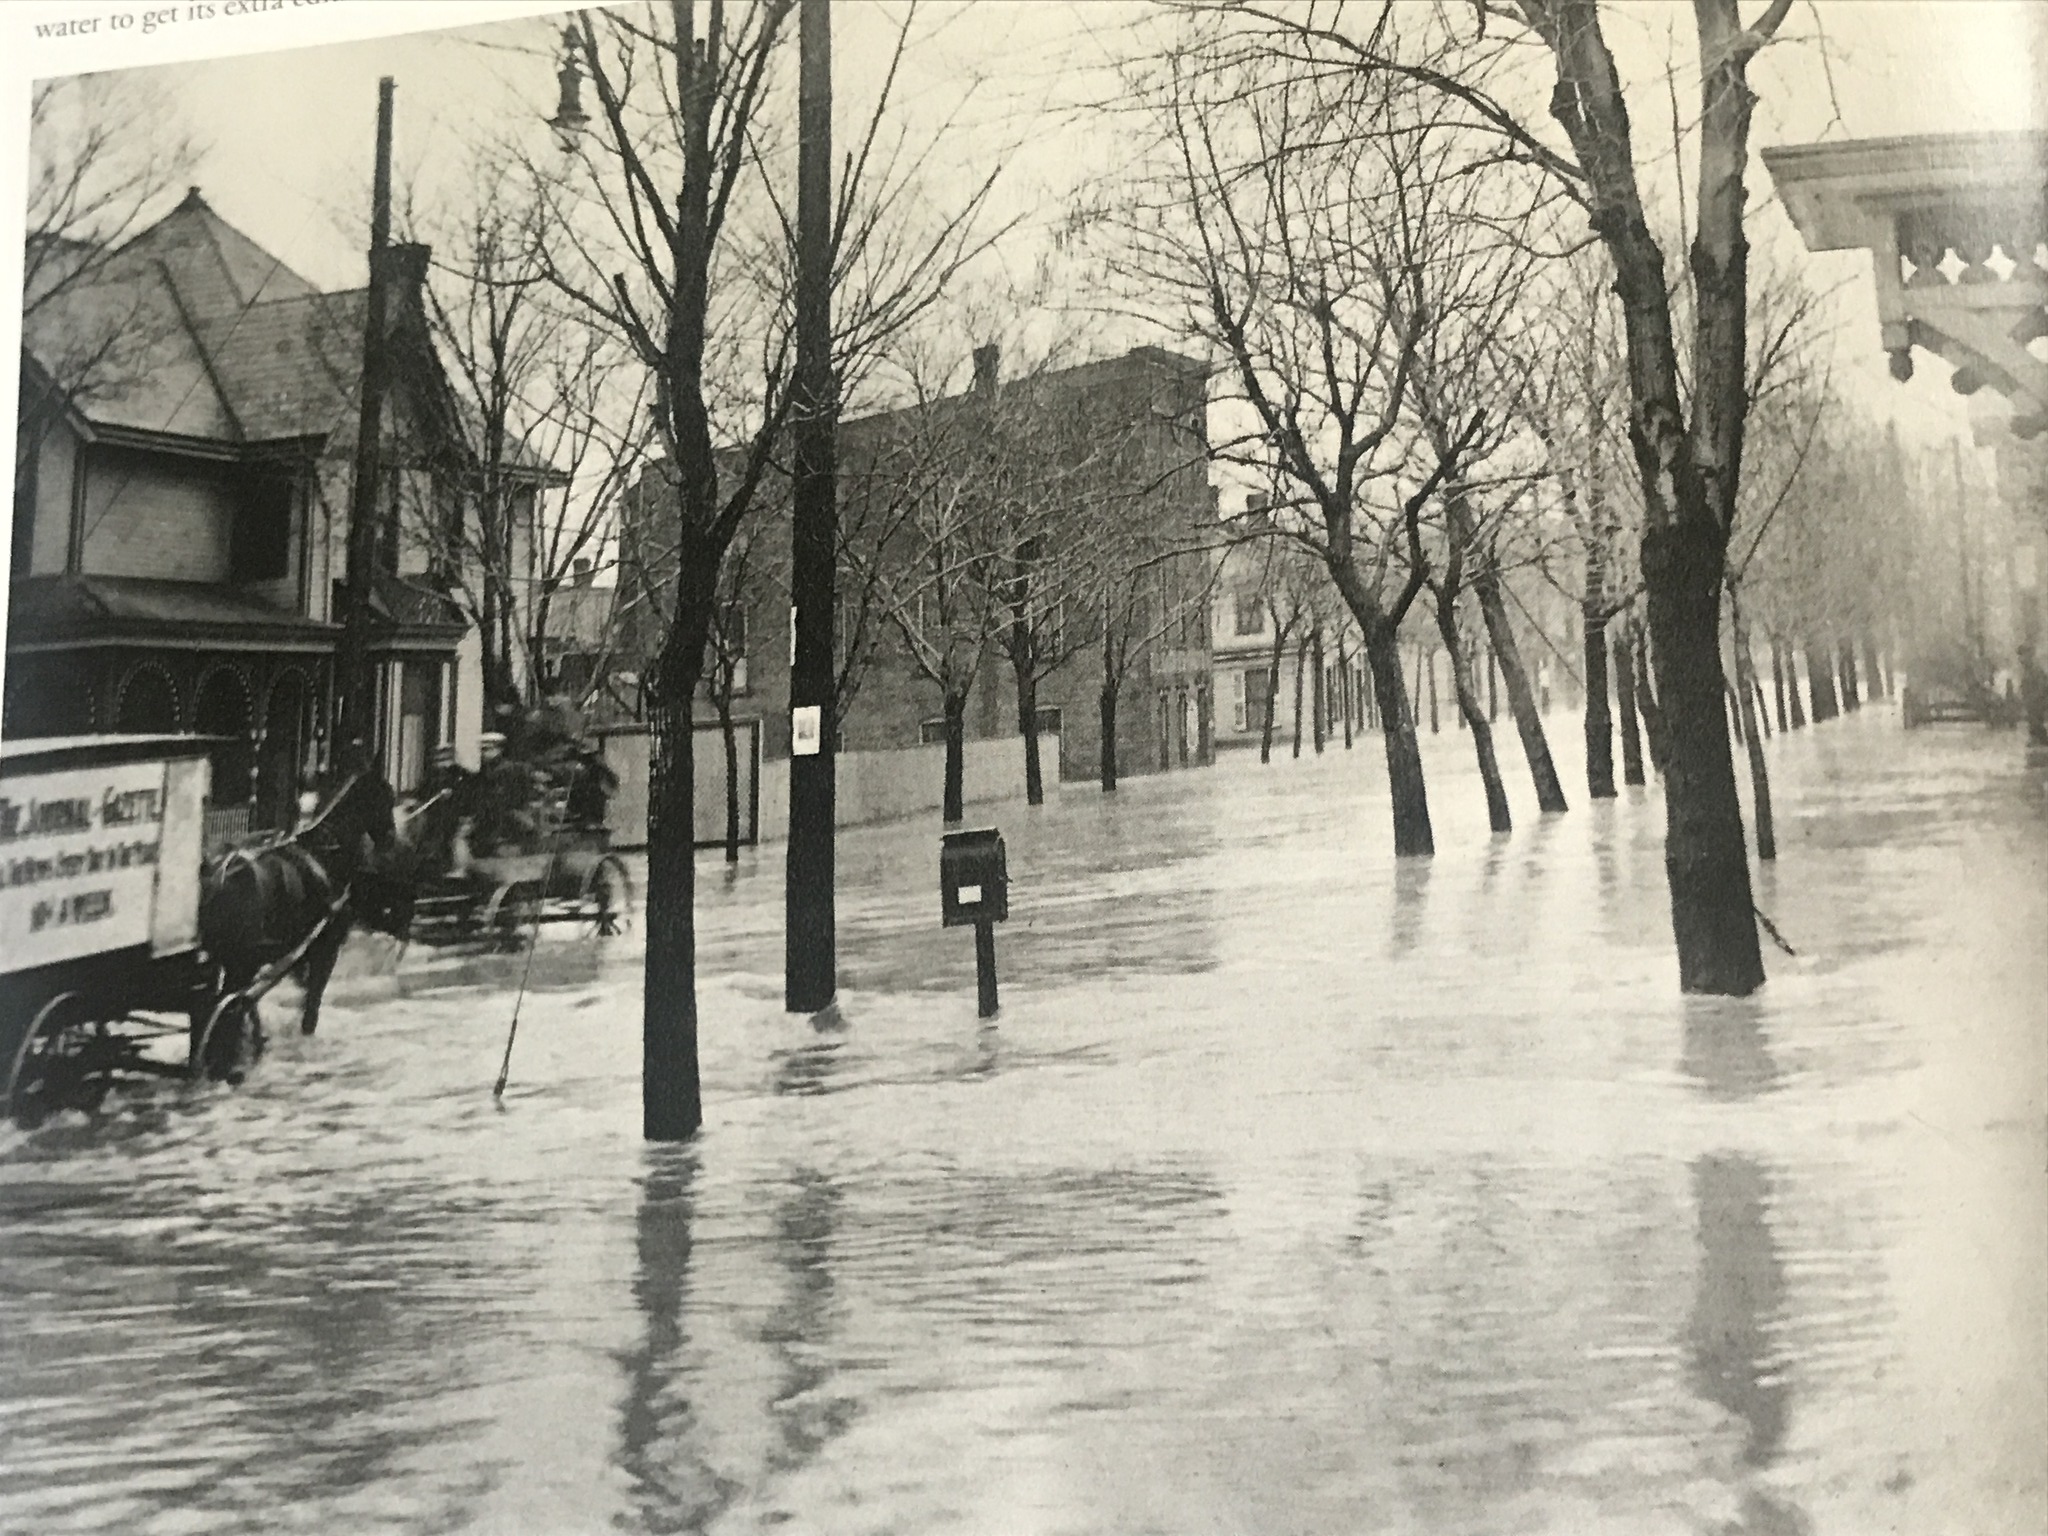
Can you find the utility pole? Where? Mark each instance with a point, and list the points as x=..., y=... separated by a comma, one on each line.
x=810, y=934
x=354, y=683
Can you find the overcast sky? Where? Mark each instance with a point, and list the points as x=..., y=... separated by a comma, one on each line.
x=287, y=135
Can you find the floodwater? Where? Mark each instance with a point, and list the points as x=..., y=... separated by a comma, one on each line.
x=1292, y=1191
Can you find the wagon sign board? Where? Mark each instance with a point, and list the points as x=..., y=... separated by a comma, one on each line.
x=79, y=854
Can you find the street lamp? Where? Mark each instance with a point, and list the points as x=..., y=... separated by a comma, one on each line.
x=570, y=119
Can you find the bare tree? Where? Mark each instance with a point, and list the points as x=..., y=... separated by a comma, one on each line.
x=1685, y=424
x=672, y=237
x=105, y=152
x=1293, y=225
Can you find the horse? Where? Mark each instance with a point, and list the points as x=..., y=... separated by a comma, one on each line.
x=291, y=902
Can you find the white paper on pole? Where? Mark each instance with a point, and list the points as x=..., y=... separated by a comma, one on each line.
x=806, y=730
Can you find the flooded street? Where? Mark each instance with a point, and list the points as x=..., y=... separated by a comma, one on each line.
x=1291, y=1191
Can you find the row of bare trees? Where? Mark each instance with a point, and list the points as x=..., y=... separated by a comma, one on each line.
x=1336, y=200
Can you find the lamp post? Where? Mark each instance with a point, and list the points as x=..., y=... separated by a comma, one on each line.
x=570, y=119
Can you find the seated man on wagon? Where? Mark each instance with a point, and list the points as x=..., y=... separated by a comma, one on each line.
x=502, y=820
x=450, y=800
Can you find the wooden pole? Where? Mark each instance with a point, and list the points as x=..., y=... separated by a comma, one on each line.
x=356, y=701
x=810, y=919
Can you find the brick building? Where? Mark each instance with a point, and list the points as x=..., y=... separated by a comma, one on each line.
x=1152, y=404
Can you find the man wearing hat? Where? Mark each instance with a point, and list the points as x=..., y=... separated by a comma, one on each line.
x=504, y=795
x=450, y=800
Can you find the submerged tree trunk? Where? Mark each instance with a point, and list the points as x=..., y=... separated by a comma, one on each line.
x=1763, y=707
x=1820, y=681
x=1413, y=836
x=1027, y=727
x=1268, y=725
x=955, y=809
x=1319, y=705
x=1300, y=667
x=1486, y=586
x=1467, y=695
x=1734, y=709
x=1625, y=702
x=1759, y=770
x=1106, y=702
x=728, y=731
x=1344, y=687
x=1851, y=692
x=1778, y=682
x=1652, y=712
x=1599, y=721
x=671, y=1100
x=1876, y=685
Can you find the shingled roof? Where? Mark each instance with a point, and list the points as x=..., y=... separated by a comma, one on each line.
x=221, y=341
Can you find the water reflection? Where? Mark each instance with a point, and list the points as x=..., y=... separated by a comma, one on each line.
x=801, y=1326
x=1741, y=1298
x=1727, y=1050
x=673, y=1488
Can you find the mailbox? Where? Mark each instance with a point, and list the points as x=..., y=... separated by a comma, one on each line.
x=974, y=879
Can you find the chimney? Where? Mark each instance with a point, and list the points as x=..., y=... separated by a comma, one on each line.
x=407, y=268
x=987, y=368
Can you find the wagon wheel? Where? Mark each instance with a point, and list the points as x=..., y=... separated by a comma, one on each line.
x=509, y=914
x=225, y=1040
x=64, y=1061
x=609, y=895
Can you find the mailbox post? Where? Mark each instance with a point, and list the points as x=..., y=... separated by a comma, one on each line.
x=974, y=890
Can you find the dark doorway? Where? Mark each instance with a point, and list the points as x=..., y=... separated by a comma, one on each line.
x=223, y=711
x=282, y=757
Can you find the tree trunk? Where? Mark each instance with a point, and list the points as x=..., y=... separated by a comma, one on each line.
x=1266, y=726
x=1497, y=815
x=1820, y=679
x=1300, y=667
x=1763, y=707
x=1778, y=682
x=1413, y=837
x=1344, y=689
x=1107, y=702
x=955, y=808
x=1713, y=915
x=1429, y=661
x=1653, y=715
x=1599, y=722
x=1795, y=702
x=732, y=776
x=1319, y=713
x=1492, y=684
x=1625, y=701
x=1521, y=700
x=1759, y=770
x=1027, y=727
x=1851, y=692
x=1875, y=684
x=1734, y=709
x=671, y=1103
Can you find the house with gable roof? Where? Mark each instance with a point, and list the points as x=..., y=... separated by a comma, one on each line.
x=189, y=411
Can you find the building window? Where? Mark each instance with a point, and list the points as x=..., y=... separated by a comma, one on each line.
x=932, y=733
x=1255, y=698
x=259, y=548
x=1251, y=615
x=1048, y=721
